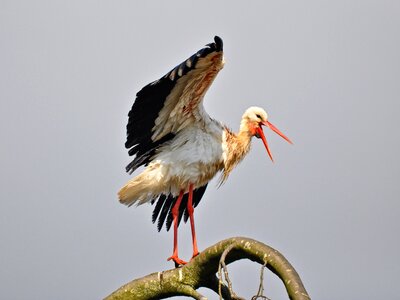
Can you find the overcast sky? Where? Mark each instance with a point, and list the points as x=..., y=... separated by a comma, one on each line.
x=327, y=72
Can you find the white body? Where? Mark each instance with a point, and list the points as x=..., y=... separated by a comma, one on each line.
x=195, y=155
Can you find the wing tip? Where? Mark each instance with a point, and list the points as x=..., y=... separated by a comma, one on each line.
x=219, y=44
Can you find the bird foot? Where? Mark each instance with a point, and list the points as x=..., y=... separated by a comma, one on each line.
x=178, y=262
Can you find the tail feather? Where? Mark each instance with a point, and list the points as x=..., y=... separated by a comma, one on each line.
x=140, y=189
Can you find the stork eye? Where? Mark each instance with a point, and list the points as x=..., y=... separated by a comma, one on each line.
x=258, y=116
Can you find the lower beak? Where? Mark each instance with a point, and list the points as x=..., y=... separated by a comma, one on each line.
x=260, y=134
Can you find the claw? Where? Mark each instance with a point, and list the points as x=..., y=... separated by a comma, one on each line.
x=178, y=262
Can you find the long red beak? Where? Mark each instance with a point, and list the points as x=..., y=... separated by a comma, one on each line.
x=260, y=133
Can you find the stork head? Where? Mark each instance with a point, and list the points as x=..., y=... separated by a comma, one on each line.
x=252, y=121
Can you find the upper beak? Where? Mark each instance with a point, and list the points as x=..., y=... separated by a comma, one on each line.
x=260, y=134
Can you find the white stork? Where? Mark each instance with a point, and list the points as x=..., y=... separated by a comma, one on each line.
x=181, y=146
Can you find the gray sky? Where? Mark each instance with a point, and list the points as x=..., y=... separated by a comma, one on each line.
x=327, y=72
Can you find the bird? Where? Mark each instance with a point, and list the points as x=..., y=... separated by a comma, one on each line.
x=180, y=147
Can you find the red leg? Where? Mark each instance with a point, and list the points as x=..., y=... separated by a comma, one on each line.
x=175, y=214
x=190, y=211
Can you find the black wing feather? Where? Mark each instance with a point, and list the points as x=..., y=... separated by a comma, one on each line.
x=164, y=205
x=149, y=101
x=182, y=208
x=169, y=201
x=157, y=208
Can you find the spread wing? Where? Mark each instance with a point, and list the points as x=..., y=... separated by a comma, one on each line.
x=165, y=106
